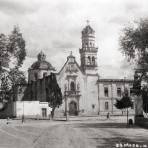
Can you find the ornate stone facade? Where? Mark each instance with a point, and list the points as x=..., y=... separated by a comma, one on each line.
x=79, y=89
x=79, y=83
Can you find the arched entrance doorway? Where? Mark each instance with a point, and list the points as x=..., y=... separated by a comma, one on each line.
x=73, y=108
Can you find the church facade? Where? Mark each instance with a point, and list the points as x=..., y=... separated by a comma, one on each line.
x=84, y=93
x=79, y=83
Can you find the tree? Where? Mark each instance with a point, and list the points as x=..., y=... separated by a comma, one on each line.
x=5, y=90
x=134, y=41
x=145, y=100
x=16, y=77
x=12, y=55
x=125, y=102
x=137, y=84
x=4, y=51
x=16, y=47
x=134, y=45
x=5, y=87
x=54, y=94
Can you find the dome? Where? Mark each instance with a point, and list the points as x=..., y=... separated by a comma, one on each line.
x=88, y=30
x=42, y=63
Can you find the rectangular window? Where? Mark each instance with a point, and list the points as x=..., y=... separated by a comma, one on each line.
x=106, y=91
x=106, y=106
x=44, y=112
x=119, y=92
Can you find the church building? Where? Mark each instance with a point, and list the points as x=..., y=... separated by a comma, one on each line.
x=84, y=93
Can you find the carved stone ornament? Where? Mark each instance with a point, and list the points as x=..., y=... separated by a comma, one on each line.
x=71, y=68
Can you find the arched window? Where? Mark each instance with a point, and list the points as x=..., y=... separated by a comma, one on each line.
x=86, y=44
x=72, y=86
x=89, y=60
x=119, y=92
x=93, y=60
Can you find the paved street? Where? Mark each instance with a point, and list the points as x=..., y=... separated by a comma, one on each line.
x=76, y=133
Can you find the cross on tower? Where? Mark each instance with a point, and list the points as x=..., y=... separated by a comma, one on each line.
x=71, y=53
x=87, y=21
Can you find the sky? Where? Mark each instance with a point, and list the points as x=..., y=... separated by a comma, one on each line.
x=54, y=26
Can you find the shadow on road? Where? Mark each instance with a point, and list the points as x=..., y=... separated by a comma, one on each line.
x=110, y=141
x=105, y=125
x=59, y=120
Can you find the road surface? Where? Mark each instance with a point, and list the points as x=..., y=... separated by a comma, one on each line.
x=72, y=134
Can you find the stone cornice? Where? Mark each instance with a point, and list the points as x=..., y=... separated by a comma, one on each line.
x=116, y=80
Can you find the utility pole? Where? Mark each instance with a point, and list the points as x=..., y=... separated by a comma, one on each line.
x=23, y=113
x=125, y=94
x=112, y=96
x=66, y=111
x=124, y=83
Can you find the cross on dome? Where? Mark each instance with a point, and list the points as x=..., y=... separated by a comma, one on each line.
x=41, y=56
x=71, y=53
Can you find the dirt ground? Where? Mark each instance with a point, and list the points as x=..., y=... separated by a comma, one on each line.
x=75, y=133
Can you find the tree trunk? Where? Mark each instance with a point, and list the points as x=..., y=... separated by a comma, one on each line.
x=52, y=112
x=127, y=116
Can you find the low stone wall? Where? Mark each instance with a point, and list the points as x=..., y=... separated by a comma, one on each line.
x=27, y=109
x=141, y=121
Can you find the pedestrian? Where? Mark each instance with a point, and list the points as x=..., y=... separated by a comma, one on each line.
x=22, y=118
x=7, y=120
x=108, y=115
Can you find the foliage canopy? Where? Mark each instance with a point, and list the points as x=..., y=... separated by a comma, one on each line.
x=125, y=101
x=134, y=45
x=54, y=94
x=12, y=55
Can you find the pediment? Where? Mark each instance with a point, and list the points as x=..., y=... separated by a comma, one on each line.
x=71, y=67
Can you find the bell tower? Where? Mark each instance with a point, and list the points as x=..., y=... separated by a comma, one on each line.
x=88, y=51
